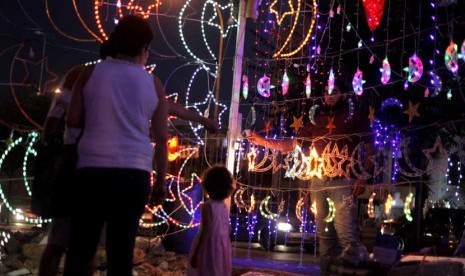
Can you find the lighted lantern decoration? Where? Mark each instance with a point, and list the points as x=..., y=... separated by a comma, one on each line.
x=357, y=82
x=173, y=153
x=331, y=81
x=436, y=82
x=374, y=12
x=385, y=71
x=285, y=83
x=264, y=86
x=414, y=69
x=245, y=86
x=451, y=58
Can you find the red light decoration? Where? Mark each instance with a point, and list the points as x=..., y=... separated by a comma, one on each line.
x=374, y=12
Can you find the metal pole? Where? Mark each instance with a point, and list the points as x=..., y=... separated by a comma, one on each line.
x=234, y=123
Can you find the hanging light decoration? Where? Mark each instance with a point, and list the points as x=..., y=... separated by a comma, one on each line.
x=264, y=86
x=357, y=82
x=414, y=69
x=245, y=86
x=451, y=58
x=374, y=12
x=285, y=83
x=331, y=81
x=385, y=71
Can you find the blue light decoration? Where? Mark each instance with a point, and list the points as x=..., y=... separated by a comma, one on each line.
x=264, y=86
x=436, y=82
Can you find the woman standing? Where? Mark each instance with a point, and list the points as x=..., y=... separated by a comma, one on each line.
x=120, y=108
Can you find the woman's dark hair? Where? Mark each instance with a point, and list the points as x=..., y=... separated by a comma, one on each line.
x=107, y=49
x=131, y=35
x=217, y=182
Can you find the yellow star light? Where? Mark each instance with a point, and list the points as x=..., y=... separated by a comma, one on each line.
x=280, y=19
x=412, y=111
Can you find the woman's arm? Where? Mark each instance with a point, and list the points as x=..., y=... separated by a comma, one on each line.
x=159, y=132
x=75, y=113
x=188, y=115
x=284, y=145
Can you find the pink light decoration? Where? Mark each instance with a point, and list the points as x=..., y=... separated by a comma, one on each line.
x=331, y=81
x=308, y=86
x=451, y=58
x=357, y=82
x=385, y=71
x=415, y=68
x=285, y=83
x=462, y=50
x=374, y=12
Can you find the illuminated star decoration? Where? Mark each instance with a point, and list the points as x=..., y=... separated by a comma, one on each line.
x=330, y=126
x=297, y=124
x=279, y=19
x=412, y=111
x=215, y=15
x=371, y=115
x=136, y=9
x=207, y=101
x=429, y=156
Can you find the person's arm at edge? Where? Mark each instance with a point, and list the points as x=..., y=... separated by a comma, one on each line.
x=188, y=115
x=283, y=145
x=204, y=229
x=50, y=126
x=159, y=131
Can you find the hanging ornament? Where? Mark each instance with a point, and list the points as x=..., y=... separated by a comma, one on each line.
x=264, y=86
x=374, y=12
x=436, y=82
x=245, y=86
x=462, y=50
x=285, y=83
x=254, y=115
x=338, y=10
x=308, y=86
x=449, y=94
x=414, y=69
x=331, y=81
x=451, y=58
x=348, y=27
x=372, y=59
x=385, y=71
x=311, y=114
x=357, y=82
x=426, y=93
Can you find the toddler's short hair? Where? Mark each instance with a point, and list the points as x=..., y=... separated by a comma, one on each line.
x=217, y=182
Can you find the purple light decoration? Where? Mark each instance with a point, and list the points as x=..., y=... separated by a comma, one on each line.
x=387, y=138
x=451, y=58
x=264, y=86
x=385, y=71
x=357, y=82
x=414, y=69
x=285, y=83
x=331, y=81
x=391, y=102
x=436, y=82
x=462, y=50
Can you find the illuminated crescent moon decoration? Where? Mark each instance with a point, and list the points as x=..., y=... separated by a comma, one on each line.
x=236, y=197
x=415, y=172
x=331, y=212
x=451, y=58
x=295, y=13
x=311, y=113
x=436, y=82
x=357, y=82
x=265, y=209
x=407, y=208
x=355, y=160
x=385, y=71
x=298, y=209
x=414, y=69
x=264, y=86
x=391, y=102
